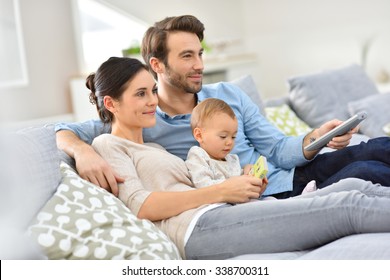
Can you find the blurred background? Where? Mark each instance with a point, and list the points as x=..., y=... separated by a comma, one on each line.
x=47, y=47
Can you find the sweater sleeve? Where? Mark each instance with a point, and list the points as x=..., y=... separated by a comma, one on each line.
x=132, y=192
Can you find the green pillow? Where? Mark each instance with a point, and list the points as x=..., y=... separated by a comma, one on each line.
x=386, y=129
x=84, y=221
x=284, y=118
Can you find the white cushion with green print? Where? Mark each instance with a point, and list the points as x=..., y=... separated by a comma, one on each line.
x=284, y=118
x=84, y=221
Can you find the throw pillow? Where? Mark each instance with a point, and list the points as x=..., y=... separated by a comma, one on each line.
x=386, y=129
x=321, y=97
x=84, y=221
x=378, y=114
x=30, y=172
x=247, y=85
x=286, y=120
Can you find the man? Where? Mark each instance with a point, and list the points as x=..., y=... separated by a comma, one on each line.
x=172, y=49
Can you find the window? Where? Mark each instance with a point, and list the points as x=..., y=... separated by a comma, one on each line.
x=103, y=31
x=13, y=69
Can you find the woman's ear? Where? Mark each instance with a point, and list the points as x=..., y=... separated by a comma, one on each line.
x=198, y=134
x=156, y=65
x=109, y=103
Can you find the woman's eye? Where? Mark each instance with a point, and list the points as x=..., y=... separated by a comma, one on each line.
x=154, y=91
x=141, y=93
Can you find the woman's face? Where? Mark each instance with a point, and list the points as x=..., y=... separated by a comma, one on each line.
x=137, y=107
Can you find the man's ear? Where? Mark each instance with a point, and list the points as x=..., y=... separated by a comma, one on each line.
x=198, y=134
x=109, y=103
x=156, y=65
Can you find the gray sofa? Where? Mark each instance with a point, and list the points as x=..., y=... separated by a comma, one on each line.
x=48, y=211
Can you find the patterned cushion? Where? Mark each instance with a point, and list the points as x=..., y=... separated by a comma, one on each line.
x=286, y=120
x=83, y=221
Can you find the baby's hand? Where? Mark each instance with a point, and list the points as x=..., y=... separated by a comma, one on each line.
x=247, y=169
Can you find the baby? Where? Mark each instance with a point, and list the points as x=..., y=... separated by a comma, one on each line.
x=214, y=126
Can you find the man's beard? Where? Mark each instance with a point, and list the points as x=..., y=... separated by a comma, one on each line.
x=179, y=81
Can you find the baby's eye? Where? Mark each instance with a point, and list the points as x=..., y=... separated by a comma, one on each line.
x=222, y=136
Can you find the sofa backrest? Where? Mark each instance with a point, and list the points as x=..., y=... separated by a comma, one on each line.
x=30, y=172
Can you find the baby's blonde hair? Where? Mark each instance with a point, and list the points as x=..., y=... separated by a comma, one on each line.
x=207, y=109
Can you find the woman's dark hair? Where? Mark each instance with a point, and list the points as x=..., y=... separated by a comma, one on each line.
x=154, y=43
x=112, y=78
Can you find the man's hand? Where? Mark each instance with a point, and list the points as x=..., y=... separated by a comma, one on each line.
x=89, y=164
x=92, y=167
x=337, y=142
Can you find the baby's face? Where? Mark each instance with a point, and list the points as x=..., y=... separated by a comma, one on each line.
x=218, y=135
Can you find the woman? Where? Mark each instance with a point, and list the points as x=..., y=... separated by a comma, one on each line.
x=215, y=222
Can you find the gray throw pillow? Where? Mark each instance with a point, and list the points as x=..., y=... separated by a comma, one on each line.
x=377, y=108
x=33, y=172
x=320, y=97
x=247, y=85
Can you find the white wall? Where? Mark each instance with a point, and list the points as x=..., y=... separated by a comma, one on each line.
x=51, y=61
x=223, y=19
x=305, y=36
x=289, y=38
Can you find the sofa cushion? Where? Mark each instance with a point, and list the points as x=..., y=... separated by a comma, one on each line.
x=286, y=120
x=320, y=97
x=33, y=172
x=368, y=246
x=247, y=85
x=378, y=114
x=84, y=221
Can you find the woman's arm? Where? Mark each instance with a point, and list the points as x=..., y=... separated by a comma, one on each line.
x=163, y=205
x=165, y=190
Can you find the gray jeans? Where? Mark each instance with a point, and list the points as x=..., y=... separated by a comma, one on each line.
x=348, y=207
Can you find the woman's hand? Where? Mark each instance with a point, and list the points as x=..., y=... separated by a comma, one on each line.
x=247, y=169
x=241, y=189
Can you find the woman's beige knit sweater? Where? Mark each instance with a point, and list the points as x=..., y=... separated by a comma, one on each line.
x=147, y=168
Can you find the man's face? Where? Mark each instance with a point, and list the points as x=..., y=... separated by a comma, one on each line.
x=185, y=64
